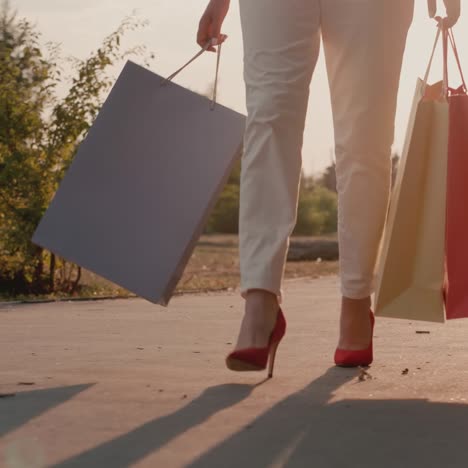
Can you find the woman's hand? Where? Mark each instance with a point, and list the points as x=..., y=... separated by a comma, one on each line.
x=453, y=8
x=211, y=22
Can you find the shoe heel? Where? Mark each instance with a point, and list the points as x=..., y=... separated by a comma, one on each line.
x=271, y=359
x=354, y=358
x=250, y=359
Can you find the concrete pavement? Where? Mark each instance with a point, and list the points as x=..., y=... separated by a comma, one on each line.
x=122, y=383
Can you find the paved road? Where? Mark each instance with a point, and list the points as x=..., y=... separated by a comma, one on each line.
x=125, y=383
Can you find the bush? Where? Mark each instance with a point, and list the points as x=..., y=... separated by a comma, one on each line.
x=225, y=215
x=317, y=212
x=39, y=134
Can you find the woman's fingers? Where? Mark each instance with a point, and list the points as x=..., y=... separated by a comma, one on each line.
x=209, y=29
x=453, y=8
x=432, y=7
x=211, y=22
x=204, y=30
x=220, y=40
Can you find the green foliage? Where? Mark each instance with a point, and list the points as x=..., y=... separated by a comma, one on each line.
x=317, y=212
x=225, y=215
x=39, y=134
x=25, y=91
x=328, y=178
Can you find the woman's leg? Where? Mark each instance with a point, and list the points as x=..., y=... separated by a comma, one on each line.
x=281, y=46
x=364, y=42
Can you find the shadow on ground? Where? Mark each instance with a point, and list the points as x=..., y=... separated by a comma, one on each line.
x=304, y=430
x=131, y=447
x=18, y=410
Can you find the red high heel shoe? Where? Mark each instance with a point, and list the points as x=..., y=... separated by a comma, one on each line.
x=255, y=359
x=359, y=357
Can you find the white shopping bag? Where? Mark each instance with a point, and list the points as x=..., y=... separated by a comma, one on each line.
x=139, y=191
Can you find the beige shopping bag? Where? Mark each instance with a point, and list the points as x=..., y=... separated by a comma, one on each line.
x=410, y=269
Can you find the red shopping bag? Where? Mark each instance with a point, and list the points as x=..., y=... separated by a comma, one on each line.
x=456, y=284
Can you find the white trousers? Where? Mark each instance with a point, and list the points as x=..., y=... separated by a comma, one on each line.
x=364, y=42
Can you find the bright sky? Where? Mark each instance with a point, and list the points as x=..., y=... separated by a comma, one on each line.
x=80, y=26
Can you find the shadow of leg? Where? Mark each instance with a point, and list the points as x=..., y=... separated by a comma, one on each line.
x=274, y=435
x=305, y=430
x=27, y=405
x=133, y=446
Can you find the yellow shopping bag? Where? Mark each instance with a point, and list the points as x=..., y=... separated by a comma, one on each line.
x=410, y=268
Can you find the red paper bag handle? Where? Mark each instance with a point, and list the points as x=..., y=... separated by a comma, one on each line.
x=451, y=37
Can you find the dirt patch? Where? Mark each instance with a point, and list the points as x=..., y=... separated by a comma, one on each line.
x=214, y=265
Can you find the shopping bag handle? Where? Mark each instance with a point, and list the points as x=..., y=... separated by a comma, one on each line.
x=210, y=43
x=429, y=66
x=451, y=37
x=447, y=36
